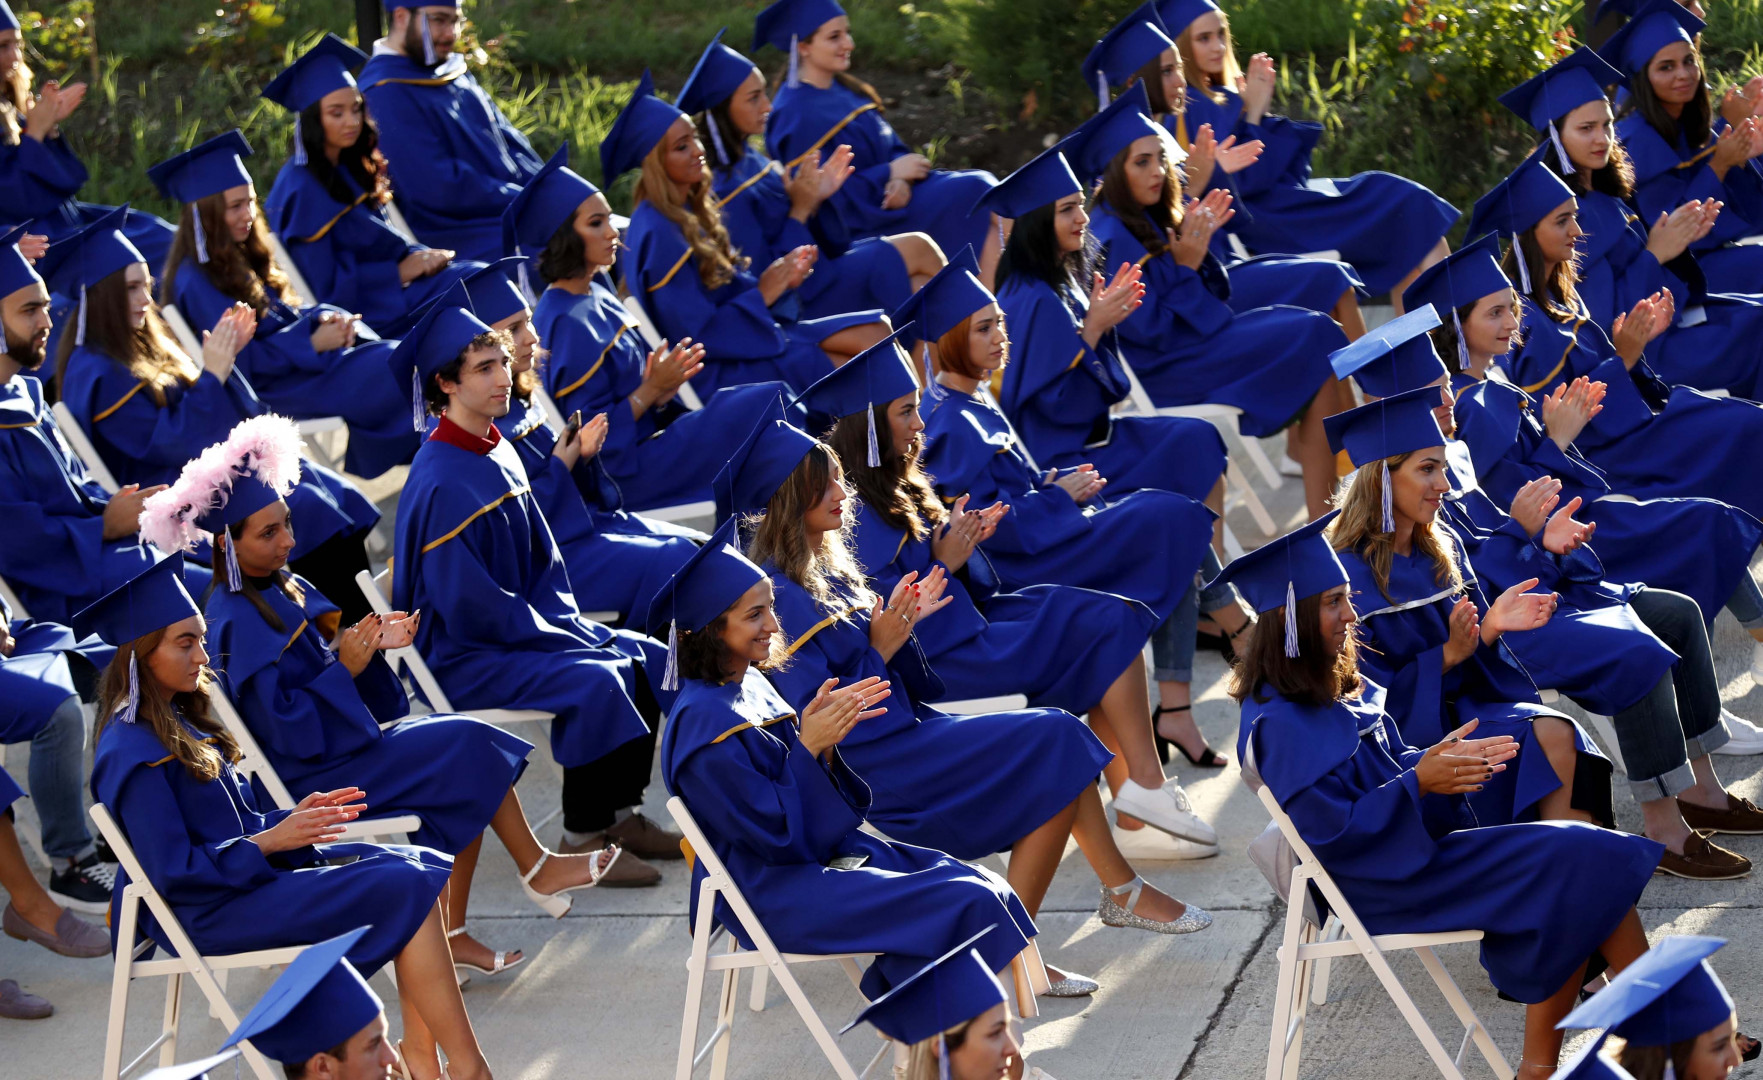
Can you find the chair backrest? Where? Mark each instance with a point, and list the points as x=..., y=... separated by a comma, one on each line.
x=652, y=337
x=373, y=588
x=286, y=262
x=180, y=328
x=396, y=217
x=1290, y=831
x=252, y=760
x=1135, y=390
x=719, y=879
x=82, y=446
x=119, y=844
x=553, y=415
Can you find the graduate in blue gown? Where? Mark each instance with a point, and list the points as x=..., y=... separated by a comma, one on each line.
x=692, y=280
x=782, y=807
x=318, y=1015
x=149, y=408
x=769, y=211
x=329, y=204
x=1388, y=821
x=822, y=106
x=1387, y=226
x=308, y=361
x=1066, y=373
x=456, y=161
x=658, y=451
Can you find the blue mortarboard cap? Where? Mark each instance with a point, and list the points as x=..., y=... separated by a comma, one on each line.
x=8, y=21
x=90, y=255
x=319, y=70
x=799, y=19
x=1653, y=27
x=189, y=1070
x=1573, y=81
x=549, y=199
x=246, y=496
x=1460, y=278
x=1299, y=564
x=875, y=376
x=704, y=587
x=446, y=327
x=1047, y=178
x=317, y=1004
x=206, y=170
x=1666, y=996
x=1178, y=14
x=1591, y=1064
x=151, y=600
x=16, y=271
x=1387, y=427
x=643, y=123
x=947, y=992
x=394, y=5
x=1125, y=50
x=493, y=297
x=1091, y=147
x=1519, y=201
x=720, y=71
x=761, y=464
x=1396, y=356
x=946, y=300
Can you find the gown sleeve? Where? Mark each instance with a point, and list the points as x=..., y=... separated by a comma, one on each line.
x=966, y=459
x=37, y=177
x=138, y=430
x=184, y=871
x=275, y=350
x=733, y=321
x=441, y=182
x=779, y=820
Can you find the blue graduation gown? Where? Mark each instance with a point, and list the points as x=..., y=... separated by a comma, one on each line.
x=1291, y=280
x=1652, y=440
x=145, y=444
x=850, y=276
x=806, y=118
x=1711, y=542
x=320, y=727
x=1188, y=344
x=456, y=161
x=777, y=818
x=35, y=678
x=1382, y=223
x=1667, y=175
x=38, y=182
x=501, y=628
x=1060, y=647
x=670, y=454
x=744, y=340
x=967, y=785
x=349, y=254
x=1057, y=392
x=1145, y=545
x=1546, y=894
x=617, y=570
x=192, y=839
x=355, y=383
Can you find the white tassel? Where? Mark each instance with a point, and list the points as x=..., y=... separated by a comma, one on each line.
x=942, y=1058
x=1291, y=622
x=299, y=144
x=235, y=581
x=874, y=458
x=1462, y=343
x=795, y=63
x=79, y=334
x=526, y=285
x=1389, y=500
x=937, y=393
x=1561, y=151
x=1523, y=265
x=1101, y=90
x=670, y=674
x=428, y=45
x=201, y=236
x=419, y=413
x=133, y=708
x=716, y=137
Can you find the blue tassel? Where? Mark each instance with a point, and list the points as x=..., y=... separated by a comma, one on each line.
x=795, y=63
x=874, y=458
x=1291, y=622
x=716, y=138
x=937, y=393
x=1389, y=500
x=201, y=234
x=1462, y=342
x=299, y=144
x=1560, y=150
x=234, y=580
x=79, y=336
x=133, y=708
x=428, y=45
x=1101, y=90
x=1523, y=264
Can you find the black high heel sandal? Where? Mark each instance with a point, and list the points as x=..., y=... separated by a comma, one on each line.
x=1208, y=759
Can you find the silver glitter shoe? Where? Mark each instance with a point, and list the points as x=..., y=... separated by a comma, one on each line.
x=1072, y=986
x=1115, y=913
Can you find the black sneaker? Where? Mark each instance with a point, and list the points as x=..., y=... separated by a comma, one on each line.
x=85, y=886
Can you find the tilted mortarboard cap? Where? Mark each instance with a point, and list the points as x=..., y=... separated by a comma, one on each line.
x=151, y=600
x=1653, y=27
x=1460, y=278
x=319, y=1003
x=324, y=68
x=947, y=300
x=1394, y=357
x=90, y=255
x=1178, y=15
x=788, y=21
x=1574, y=80
x=192, y=1070
x=1300, y=564
x=1667, y=995
x=205, y=170
x=1047, y=178
x=947, y=992
x=16, y=271
x=1125, y=50
x=720, y=71
x=875, y=376
x=642, y=123
x=549, y=199
x=1386, y=427
x=1517, y=203
x=439, y=336
x=704, y=587
x=492, y=295
x=8, y=21
x=761, y=464
x=1591, y=1064
x=1093, y=144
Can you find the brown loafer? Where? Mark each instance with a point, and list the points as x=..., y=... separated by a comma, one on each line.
x=15, y=1004
x=638, y=835
x=1703, y=860
x=73, y=935
x=629, y=872
x=1742, y=817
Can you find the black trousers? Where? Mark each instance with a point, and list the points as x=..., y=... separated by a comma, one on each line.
x=595, y=792
x=331, y=567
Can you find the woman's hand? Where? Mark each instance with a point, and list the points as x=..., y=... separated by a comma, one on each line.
x=54, y=103
x=1738, y=144
x=909, y=167
x=1465, y=632
x=1457, y=766
x=787, y=272
x=1740, y=102
x=398, y=630
x=666, y=370
x=1634, y=330
x=896, y=194
x=1202, y=159
x=964, y=531
x=833, y=713
x=335, y=331
x=1199, y=222
x=930, y=594
x=812, y=184
x=1673, y=233
x=221, y=346
x=1082, y=483
x=1533, y=503
x=1517, y=609
x=890, y=624
x=1112, y=301
x=1571, y=406
x=356, y=645
x=1563, y=533
x=318, y=819
x=33, y=246
x=421, y=263
x=1256, y=87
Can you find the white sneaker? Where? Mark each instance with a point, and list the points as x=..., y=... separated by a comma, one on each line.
x=1757, y=663
x=1747, y=738
x=1166, y=808
x=1155, y=845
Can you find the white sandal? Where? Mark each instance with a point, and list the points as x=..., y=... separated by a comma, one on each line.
x=501, y=962
x=557, y=904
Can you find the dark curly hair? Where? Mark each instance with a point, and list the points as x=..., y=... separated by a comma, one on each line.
x=433, y=395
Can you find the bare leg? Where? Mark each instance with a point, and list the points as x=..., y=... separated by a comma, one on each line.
x=426, y=986
x=1122, y=720
x=1542, y=1043
x=1554, y=737
x=559, y=871
x=1034, y=859
x=922, y=256
x=988, y=256
x=1707, y=790
x=455, y=898
x=1090, y=830
x=1347, y=313
x=1438, y=252
x=29, y=897
x=1662, y=821
x=1310, y=442
x=850, y=341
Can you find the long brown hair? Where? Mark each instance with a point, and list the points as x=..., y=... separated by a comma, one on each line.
x=1152, y=76
x=1147, y=224
x=1648, y=1062
x=150, y=353
x=1695, y=122
x=160, y=710
x=1556, y=293
x=244, y=271
x=1359, y=529
x=1196, y=75
x=898, y=490
x=828, y=571
x=1313, y=677
x=362, y=162
x=695, y=212
x=1615, y=178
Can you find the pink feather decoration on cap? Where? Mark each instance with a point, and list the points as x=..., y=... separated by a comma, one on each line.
x=266, y=446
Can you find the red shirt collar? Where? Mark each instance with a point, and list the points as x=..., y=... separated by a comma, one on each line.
x=452, y=434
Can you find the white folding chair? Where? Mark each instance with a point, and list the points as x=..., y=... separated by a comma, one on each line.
x=1304, y=945
x=254, y=763
x=208, y=972
x=296, y=279
x=396, y=217
x=180, y=328
x=82, y=446
x=1241, y=250
x=646, y=327
x=1603, y=725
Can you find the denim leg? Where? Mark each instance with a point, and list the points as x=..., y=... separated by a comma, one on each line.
x=1220, y=596
x=1746, y=604
x=1172, y=644
x=1678, y=622
x=57, y=765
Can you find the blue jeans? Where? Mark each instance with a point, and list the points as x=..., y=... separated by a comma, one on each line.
x=1746, y=604
x=56, y=774
x=1679, y=719
x=1172, y=644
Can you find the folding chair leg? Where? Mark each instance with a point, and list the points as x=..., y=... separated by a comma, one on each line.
x=220, y=979
x=1410, y=1012
x=1465, y=1013
x=119, y=985
x=168, y=1048
x=1251, y=501
x=1252, y=448
x=1331, y=931
x=1280, y=1063
x=816, y=1027
x=1233, y=548
x=725, y=1021
x=756, y=999
x=700, y=957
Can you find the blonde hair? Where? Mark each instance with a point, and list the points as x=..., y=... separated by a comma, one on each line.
x=1360, y=529
x=695, y=213
x=827, y=571
x=921, y=1056
x=1197, y=77
x=15, y=97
